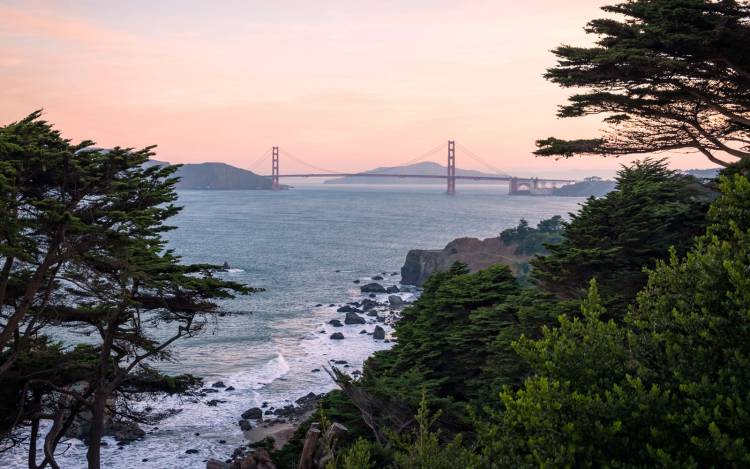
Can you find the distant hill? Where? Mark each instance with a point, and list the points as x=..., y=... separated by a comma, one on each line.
x=218, y=176
x=428, y=168
x=703, y=173
x=596, y=188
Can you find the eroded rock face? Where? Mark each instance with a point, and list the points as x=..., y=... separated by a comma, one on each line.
x=478, y=254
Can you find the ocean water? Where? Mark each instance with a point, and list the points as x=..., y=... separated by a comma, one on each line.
x=305, y=246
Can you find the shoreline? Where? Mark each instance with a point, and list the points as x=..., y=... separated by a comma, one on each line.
x=380, y=309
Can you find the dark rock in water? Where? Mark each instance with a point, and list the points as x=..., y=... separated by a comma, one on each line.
x=337, y=336
x=319, y=305
x=245, y=425
x=363, y=331
x=222, y=442
x=307, y=400
x=392, y=289
x=387, y=341
x=395, y=300
x=356, y=372
x=209, y=390
x=372, y=288
x=336, y=322
x=123, y=431
x=218, y=384
x=340, y=362
x=264, y=405
x=331, y=305
x=286, y=411
x=378, y=333
x=225, y=266
x=337, y=270
x=215, y=402
x=230, y=388
x=347, y=309
x=368, y=304
x=372, y=313
x=393, y=274
x=191, y=451
x=356, y=281
x=253, y=414
x=371, y=295
x=377, y=277
x=354, y=318
x=316, y=370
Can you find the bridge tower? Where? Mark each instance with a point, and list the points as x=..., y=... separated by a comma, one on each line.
x=451, y=168
x=513, y=189
x=275, y=169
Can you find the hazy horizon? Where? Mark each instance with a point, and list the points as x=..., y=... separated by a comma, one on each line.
x=343, y=85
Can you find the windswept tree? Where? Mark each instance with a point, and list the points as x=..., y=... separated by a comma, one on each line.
x=668, y=75
x=83, y=249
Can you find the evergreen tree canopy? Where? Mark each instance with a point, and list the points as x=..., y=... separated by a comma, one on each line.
x=667, y=75
x=614, y=237
x=670, y=387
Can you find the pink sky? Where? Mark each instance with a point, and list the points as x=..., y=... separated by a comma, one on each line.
x=346, y=85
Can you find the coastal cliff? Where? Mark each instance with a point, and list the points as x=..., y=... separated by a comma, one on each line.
x=476, y=253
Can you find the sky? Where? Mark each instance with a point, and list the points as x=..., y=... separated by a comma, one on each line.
x=346, y=85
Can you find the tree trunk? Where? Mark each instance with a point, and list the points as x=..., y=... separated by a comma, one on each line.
x=97, y=428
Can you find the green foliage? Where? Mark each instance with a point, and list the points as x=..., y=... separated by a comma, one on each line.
x=81, y=246
x=357, y=456
x=614, y=237
x=669, y=387
x=530, y=241
x=423, y=449
x=665, y=75
x=443, y=337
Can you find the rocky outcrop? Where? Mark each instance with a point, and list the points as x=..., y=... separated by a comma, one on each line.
x=478, y=254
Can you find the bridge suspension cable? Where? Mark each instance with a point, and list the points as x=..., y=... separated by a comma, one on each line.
x=262, y=158
x=317, y=168
x=479, y=160
x=424, y=155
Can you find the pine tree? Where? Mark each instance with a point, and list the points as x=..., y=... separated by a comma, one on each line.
x=669, y=75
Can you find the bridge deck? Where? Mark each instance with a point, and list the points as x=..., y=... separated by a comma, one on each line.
x=422, y=176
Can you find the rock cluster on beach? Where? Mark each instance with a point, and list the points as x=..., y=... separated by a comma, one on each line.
x=380, y=307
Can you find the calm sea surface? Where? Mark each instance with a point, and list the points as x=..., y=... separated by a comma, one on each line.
x=305, y=246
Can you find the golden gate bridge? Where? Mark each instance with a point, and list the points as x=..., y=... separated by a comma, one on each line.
x=518, y=185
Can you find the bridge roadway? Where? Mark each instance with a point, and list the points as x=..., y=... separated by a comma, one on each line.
x=424, y=176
